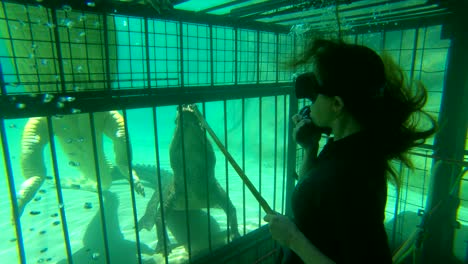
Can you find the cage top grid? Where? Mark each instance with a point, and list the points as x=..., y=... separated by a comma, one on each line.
x=277, y=15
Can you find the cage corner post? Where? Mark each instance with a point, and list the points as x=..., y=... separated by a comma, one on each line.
x=449, y=144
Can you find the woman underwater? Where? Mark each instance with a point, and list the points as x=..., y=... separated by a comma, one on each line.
x=339, y=201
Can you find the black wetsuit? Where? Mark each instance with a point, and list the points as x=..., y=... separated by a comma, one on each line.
x=339, y=205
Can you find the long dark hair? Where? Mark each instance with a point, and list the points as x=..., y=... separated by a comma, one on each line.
x=376, y=94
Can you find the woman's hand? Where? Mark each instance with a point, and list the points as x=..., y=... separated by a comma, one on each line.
x=305, y=132
x=282, y=229
x=299, y=122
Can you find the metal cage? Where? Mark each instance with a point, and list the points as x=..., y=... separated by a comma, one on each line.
x=80, y=60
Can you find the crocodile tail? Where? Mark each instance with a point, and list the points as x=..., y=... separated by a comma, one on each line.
x=149, y=173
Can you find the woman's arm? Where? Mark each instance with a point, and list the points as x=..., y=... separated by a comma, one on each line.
x=284, y=231
x=306, y=250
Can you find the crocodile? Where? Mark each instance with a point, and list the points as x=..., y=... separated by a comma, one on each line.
x=193, y=161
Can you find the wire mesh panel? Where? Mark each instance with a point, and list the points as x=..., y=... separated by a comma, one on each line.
x=56, y=50
x=247, y=61
x=196, y=59
x=224, y=55
x=164, y=54
x=131, y=47
x=84, y=47
x=285, y=56
x=422, y=55
x=268, y=52
x=29, y=48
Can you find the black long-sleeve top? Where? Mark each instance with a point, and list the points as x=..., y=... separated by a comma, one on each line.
x=339, y=205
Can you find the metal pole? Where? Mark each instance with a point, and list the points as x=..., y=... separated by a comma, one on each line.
x=234, y=164
x=449, y=144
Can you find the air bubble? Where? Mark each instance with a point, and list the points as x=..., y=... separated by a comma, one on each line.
x=95, y=256
x=20, y=106
x=50, y=25
x=82, y=34
x=48, y=98
x=67, y=22
x=60, y=105
x=75, y=111
x=67, y=8
x=91, y=4
x=67, y=99
x=44, y=62
x=79, y=68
